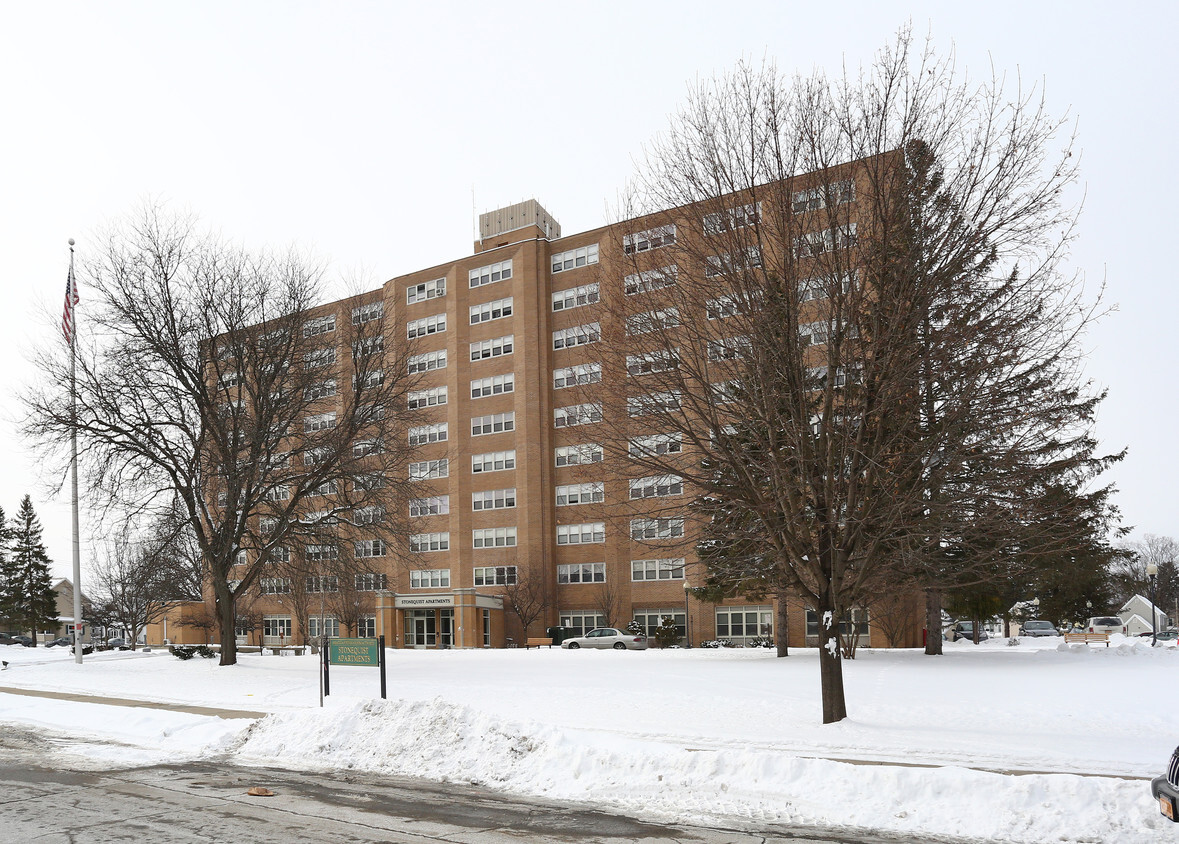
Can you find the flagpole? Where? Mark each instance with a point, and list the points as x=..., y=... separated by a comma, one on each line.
x=74, y=468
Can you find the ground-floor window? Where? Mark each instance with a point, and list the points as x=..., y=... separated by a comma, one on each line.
x=651, y=619
x=331, y=627
x=366, y=627
x=276, y=629
x=741, y=624
x=487, y=628
x=582, y=622
x=857, y=618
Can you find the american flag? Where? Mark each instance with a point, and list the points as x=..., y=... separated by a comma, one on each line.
x=71, y=299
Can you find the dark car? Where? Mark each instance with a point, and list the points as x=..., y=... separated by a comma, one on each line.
x=5, y=639
x=60, y=641
x=965, y=630
x=1166, y=788
x=27, y=641
x=1162, y=635
x=118, y=645
x=1038, y=628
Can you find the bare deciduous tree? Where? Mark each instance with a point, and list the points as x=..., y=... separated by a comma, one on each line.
x=528, y=597
x=206, y=376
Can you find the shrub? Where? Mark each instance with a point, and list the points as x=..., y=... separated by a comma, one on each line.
x=718, y=643
x=760, y=642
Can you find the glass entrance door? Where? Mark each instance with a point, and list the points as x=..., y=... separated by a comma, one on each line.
x=446, y=622
x=421, y=629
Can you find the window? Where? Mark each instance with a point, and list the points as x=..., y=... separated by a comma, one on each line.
x=575, y=297
x=502, y=537
x=493, y=499
x=857, y=619
x=229, y=380
x=653, y=403
x=435, y=505
x=582, y=622
x=425, y=326
x=426, y=290
x=495, y=575
x=732, y=218
x=319, y=357
x=655, y=444
x=274, y=585
x=488, y=311
x=658, y=361
x=814, y=333
x=369, y=345
x=320, y=553
x=732, y=304
x=280, y=554
x=579, y=335
x=730, y=262
x=429, y=579
x=368, y=481
x=277, y=493
x=665, y=569
x=368, y=515
x=326, y=488
x=427, y=398
x=493, y=423
x=582, y=573
x=844, y=375
x=423, y=434
x=652, y=619
x=371, y=582
x=641, y=529
x=652, y=321
x=740, y=624
x=319, y=422
x=730, y=348
x=724, y=392
x=324, y=583
x=492, y=348
x=650, y=280
x=366, y=627
x=363, y=448
x=589, y=493
x=658, y=486
x=427, y=362
x=583, y=534
x=817, y=243
x=424, y=543
x=814, y=199
x=820, y=288
x=577, y=414
x=493, y=386
x=490, y=274
x=369, y=548
x=585, y=373
x=645, y=241
x=493, y=461
x=321, y=390
x=276, y=627
x=320, y=325
x=331, y=627
x=577, y=455
x=580, y=257
x=368, y=313
x=428, y=469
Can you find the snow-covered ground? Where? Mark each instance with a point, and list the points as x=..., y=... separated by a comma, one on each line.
x=693, y=736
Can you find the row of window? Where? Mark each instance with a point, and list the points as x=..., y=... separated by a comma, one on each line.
x=366, y=582
x=588, y=533
x=567, y=455
x=567, y=495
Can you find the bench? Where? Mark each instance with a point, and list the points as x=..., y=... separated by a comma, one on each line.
x=537, y=642
x=1087, y=638
x=279, y=650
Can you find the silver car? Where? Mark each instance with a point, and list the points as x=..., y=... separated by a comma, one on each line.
x=608, y=637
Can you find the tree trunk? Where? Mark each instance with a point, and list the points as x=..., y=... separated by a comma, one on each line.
x=831, y=668
x=933, y=622
x=226, y=621
x=782, y=639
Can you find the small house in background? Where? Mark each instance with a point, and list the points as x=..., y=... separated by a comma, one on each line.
x=183, y=623
x=65, y=614
x=1136, y=612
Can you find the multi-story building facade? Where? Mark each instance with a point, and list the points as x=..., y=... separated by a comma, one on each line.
x=511, y=478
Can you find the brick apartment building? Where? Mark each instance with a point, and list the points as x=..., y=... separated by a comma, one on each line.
x=513, y=480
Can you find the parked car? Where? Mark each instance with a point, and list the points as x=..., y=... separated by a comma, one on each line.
x=1163, y=635
x=607, y=637
x=117, y=645
x=60, y=641
x=965, y=630
x=27, y=641
x=1038, y=628
x=1166, y=789
x=5, y=639
x=1106, y=624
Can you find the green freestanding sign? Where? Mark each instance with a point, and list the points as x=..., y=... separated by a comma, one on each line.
x=353, y=652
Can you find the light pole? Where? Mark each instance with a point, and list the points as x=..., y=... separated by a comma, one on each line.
x=1088, y=611
x=687, y=626
x=1152, y=571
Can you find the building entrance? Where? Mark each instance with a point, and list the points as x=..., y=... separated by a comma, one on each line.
x=421, y=629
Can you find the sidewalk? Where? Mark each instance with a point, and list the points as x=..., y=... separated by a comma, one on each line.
x=142, y=704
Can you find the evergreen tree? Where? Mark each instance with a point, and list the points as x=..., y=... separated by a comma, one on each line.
x=31, y=597
x=7, y=574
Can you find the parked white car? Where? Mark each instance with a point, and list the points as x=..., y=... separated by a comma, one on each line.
x=607, y=637
x=1106, y=624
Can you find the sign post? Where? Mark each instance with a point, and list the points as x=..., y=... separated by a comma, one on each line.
x=364, y=652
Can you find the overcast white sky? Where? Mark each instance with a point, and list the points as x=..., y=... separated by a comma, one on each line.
x=358, y=130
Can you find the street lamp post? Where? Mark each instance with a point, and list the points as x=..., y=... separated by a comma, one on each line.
x=687, y=624
x=1152, y=571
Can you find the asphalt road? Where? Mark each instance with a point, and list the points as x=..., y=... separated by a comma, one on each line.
x=49, y=798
